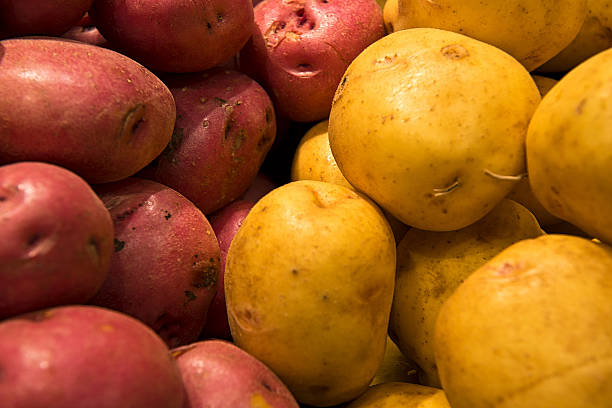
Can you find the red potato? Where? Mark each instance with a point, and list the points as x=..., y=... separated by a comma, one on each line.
x=86, y=31
x=48, y=17
x=225, y=126
x=260, y=186
x=86, y=357
x=218, y=374
x=225, y=223
x=56, y=238
x=86, y=108
x=300, y=49
x=175, y=35
x=165, y=267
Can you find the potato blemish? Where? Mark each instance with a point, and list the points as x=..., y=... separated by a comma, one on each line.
x=455, y=51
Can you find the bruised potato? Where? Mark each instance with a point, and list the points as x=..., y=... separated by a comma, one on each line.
x=429, y=151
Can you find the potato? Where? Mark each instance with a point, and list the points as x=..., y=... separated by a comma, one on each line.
x=217, y=374
x=594, y=36
x=86, y=31
x=431, y=265
x=299, y=50
x=165, y=267
x=546, y=26
x=48, y=17
x=225, y=223
x=429, y=151
x=260, y=186
x=398, y=394
x=531, y=328
x=395, y=367
x=85, y=356
x=56, y=238
x=308, y=285
x=390, y=16
x=188, y=36
x=86, y=108
x=568, y=145
x=225, y=126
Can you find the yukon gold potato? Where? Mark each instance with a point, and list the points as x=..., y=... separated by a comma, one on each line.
x=404, y=395
x=568, y=148
x=594, y=36
x=309, y=284
x=395, y=367
x=390, y=15
x=531, y=328
x=431, y=125
x=430, y=266
x=532, y=31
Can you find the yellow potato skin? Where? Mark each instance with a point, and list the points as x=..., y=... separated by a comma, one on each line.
x=568, y=148
x=401, y=395
x=532, y=31
x=309, y=285
x=594, y=36
x=395, y=367
x=390, y=15
x=531, y=328
x=431, y=265
x=424, y=109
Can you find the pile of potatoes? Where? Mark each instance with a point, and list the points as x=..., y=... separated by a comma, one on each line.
x=305, y=203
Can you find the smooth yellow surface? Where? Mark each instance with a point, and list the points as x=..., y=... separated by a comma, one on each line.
x=390, y=16
x=531, y=328
x=401, y=395
x=594, y=36
x=309, y=284
x=431, y=265
x=532, y=31
x=568, y=148
x=423, y=109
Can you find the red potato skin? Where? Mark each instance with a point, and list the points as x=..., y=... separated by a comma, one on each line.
x=86, y=108
x=175, y=35
x=165, y=266
x=86, y=357
x=49, y=17
x=86, y=31
x=260, y=186
x=218, y=374
x=225, y=127
x=56, y=238
x=300, y=49
x=225, y=223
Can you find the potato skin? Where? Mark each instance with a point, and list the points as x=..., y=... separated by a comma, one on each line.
x=217, y=374
x=165, y=266
x=85, y=356
x=89, y=109
x=56, y=235
x=186, y=36
x=225, y=127
x=399, y=394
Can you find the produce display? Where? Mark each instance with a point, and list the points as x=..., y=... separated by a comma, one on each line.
x=305, y=203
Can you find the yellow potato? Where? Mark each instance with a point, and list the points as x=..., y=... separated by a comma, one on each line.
x=401, y=395
x=309, y=284
x=430, y=266
x=390, y=15
x=395, y=367
x=543, y=83
x=531, y=328
x=431, y=125
x=594, y=36
x=532, y=31
x=568, y=148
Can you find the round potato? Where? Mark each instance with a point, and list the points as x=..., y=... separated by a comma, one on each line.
x=429, y=151
x=399, y=394
x=309, y=284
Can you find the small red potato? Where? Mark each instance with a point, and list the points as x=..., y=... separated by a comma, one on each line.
x=86, y=108
x=86, y=357
x=86, y=31
x=165, y=267
x=218, y=374
x=175, y=35
x=300, y=49
x=225, y=223
x=48, y=17
x=260, y=186
x=56, y=238
x=225, y=126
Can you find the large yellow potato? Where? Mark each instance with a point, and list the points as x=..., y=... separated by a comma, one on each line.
x=309, y=284
x=401, y=395
x=431, y=125
x=532, y=31
x=431, y=265
x=568, y=148
x=594, y=36
x=531, y=328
